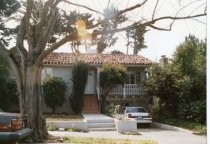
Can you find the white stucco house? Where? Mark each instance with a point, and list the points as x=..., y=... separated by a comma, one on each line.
x=131, y=93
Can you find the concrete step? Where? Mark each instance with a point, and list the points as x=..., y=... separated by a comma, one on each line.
x=102, y=129
x=100, y=121
x=101, y=125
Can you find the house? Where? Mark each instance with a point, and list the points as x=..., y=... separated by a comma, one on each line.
x=131, y=93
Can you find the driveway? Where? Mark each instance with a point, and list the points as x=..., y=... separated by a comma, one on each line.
x=162, y=136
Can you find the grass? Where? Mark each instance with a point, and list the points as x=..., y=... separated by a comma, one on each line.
x=58, y=117
x=82, y=140
x=130, y=133
x=197, y=128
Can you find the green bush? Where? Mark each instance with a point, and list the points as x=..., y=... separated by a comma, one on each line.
x=54, y=92
x=79, y=79
x=194, y=111
x=110, y=76
x=51, y=127
x=8, y=87
x=12, y=91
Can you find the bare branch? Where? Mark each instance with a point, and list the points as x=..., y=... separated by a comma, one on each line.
x=28, y=26
x=20, y=37
x=83, y=7
x=70, y=37
x=117, y=14
x=47, y=32
x=155, y=9
x=43, y=16
x=172, y=18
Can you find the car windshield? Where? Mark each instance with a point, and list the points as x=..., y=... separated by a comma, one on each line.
x=135, y=110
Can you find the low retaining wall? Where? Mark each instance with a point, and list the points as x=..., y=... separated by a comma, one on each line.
x=126, y=125
x=80, y=125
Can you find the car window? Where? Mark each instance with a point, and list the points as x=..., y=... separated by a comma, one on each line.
x=134, y=110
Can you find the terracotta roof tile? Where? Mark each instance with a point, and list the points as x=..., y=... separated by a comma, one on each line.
x=95, y=59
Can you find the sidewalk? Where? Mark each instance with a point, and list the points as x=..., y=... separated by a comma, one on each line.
x=162, y=136
x=97, y=134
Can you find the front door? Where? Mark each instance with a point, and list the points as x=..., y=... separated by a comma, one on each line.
x=90, y=86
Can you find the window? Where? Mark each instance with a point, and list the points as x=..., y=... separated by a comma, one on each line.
x=133, y=78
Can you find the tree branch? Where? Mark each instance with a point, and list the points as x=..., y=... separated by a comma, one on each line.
x=118, y=13
x=172, y=18
x=153, y=15
x=20, y=37
x=28, y=25
x=70, y=37
x=47, y=33
x=83, y=7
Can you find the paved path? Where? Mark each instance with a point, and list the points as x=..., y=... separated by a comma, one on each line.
x=160, y=135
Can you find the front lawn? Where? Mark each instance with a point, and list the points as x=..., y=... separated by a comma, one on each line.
x=197, y=128
x=81, y=140
x=58, y=117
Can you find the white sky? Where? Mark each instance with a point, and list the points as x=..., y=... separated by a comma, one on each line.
x=158, y=42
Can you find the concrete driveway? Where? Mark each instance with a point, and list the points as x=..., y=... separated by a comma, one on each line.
x=162, y=136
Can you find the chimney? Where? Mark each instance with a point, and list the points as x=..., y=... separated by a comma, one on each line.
x=163, y=61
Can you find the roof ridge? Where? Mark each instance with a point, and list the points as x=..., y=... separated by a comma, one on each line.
x=96, y=59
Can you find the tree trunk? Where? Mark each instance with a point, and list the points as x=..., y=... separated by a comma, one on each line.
x=33, y=98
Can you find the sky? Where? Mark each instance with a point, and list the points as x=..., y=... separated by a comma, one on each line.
x=158, y=42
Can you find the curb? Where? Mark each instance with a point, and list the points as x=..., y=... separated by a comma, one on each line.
x=169, y=127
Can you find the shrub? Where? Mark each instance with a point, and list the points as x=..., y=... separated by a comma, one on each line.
x=54, y=92
x=79, y=79
x=110, y=76
x=8, y=87
x=194, y=111
x=12, y=91
x=51, y=127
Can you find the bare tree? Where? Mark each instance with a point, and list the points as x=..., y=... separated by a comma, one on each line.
x=39, y=28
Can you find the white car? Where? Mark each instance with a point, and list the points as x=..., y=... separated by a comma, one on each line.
x=139, y=114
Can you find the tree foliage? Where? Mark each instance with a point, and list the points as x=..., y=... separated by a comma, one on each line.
x=181, y=87
x=111, y=75
x=8, y=87
x=54, y=92
x=189, y=64
x=79, y=79
x=137, y=34
x=7, y=8
x=162, y=84
x=3, y=80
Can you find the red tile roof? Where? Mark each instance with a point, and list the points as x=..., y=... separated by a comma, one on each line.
x=95, y=59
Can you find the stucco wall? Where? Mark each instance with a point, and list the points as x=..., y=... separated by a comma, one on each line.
x=66, y=74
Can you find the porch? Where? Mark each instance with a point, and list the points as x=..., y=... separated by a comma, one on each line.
x=125, y=90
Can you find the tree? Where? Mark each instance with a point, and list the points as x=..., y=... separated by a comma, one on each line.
x=7, y=8
x=4, y=74
x=137, y=34
x=54, y=92
x=8, y=87
x=110, y=76
x=79, y=79
x=41, y=29
x=189, y=64
x=162, y=84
